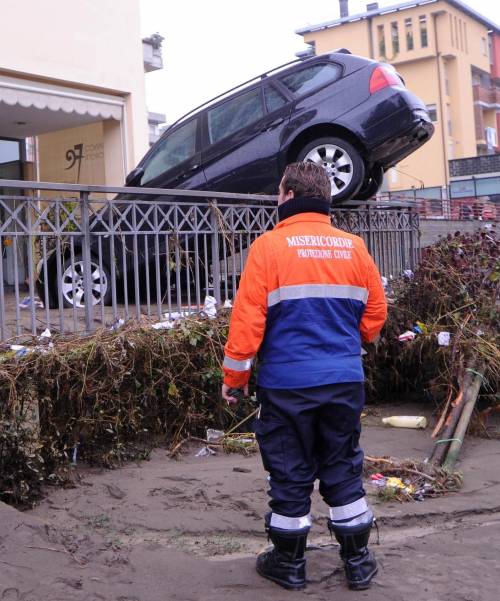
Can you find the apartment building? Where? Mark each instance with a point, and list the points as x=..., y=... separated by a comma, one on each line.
x=72, y=90
x=449, y=55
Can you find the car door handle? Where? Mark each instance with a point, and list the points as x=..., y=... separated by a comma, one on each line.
x=273, y=124
x=187, y=172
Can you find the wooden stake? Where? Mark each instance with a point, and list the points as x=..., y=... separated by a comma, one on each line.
x=470, y=397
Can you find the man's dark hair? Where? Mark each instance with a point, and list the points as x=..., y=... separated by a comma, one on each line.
x=307, y=179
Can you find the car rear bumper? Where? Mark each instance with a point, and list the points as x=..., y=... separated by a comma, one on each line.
x=393, y=123
x=397, y=148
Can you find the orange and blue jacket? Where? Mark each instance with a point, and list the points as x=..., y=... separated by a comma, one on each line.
x=308, y=296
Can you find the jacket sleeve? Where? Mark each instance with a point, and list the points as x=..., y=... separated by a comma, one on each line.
x=248, y=319
x=375, y=312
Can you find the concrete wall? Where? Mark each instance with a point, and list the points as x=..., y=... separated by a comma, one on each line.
x=433, y=229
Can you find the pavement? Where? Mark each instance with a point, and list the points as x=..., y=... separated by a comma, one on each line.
x=189, y=529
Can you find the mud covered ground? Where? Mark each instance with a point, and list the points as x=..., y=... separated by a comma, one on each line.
x=189, y=530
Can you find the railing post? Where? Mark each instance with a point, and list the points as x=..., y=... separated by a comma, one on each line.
x=215, y=250
x=369, y=230
x=414, y=238
x=87, y=279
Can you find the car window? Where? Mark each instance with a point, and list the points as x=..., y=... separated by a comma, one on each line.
x=235, y=114
x=177, y=147
x=308, y=78
x=274, y=99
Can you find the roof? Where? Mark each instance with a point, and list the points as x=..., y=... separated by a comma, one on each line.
x=459, y=4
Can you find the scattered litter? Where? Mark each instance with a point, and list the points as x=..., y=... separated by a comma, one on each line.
x=394, y=482
x=163, y=325
x=444, y=339
x=20, y=350
x=27, y=302
x=423, y=491
x=227, y=304
x=46, y=334
x=177, y=315
x=405, y=421
x=405, y=336
x=422, y=327
x=205, y=452
x=385, y=281
x=117, y=325
x=210, y=307
x=378, y=480
x=408, y=273
x=409, y=480
x=214, y=435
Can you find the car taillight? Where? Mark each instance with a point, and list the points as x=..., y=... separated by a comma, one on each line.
x=383, y=77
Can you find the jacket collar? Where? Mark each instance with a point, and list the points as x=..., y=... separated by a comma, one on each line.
x=303, y=217
x=303, y=204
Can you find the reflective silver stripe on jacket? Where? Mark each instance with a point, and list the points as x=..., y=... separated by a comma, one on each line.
x=317, y=291
x=235, y=365
x=286, y=523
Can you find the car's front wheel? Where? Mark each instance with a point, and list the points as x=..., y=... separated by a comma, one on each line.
x=341, y=161
x=73, y=283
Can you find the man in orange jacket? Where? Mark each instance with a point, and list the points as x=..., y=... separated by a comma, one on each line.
x=308, y=296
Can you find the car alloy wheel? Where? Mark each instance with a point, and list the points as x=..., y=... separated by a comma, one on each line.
x=342, y=162
x=73, y=287
x=337, y=164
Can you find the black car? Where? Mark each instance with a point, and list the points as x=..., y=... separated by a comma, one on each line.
x=349, y=114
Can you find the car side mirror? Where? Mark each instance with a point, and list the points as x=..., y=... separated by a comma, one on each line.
x=134, y=176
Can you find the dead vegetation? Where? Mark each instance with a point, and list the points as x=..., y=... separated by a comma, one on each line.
x=115, y=395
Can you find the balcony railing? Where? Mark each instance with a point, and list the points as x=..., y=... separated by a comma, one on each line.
x=489, y=96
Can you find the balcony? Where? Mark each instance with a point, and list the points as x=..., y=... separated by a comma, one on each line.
x=151, y=53
x=488, y=97
x=475, y=165
x=154, y=122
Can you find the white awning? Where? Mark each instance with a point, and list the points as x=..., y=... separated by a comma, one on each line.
x=31, y=108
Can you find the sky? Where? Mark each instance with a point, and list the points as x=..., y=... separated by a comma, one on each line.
x=213, y=45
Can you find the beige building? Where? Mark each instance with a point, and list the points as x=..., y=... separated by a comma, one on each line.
x=442, y=49
x=72, y=85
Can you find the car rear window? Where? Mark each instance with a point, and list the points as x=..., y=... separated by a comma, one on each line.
x=234, y=114
x=312, y=77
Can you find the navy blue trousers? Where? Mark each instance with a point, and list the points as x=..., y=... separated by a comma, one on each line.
x=308, y=434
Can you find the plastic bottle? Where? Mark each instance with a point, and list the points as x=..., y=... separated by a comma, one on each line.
x=405, y=421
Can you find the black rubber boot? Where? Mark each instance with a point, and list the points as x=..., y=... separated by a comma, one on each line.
x=359, y=563
x=285, y=563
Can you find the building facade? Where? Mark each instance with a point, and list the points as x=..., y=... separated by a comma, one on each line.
x=447, y=54
x=72, y=90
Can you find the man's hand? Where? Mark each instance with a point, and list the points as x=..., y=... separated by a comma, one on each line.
x=231, y=400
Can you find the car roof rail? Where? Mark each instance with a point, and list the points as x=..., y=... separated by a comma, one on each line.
x=241, y=85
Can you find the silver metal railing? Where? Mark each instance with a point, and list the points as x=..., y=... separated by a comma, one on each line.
x=74, y=260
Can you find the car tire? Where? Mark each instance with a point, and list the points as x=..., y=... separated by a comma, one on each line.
x=72, y=282
x=372, y=183
x=342, y=162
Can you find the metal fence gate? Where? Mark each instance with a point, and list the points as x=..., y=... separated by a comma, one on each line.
x=77, y=260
